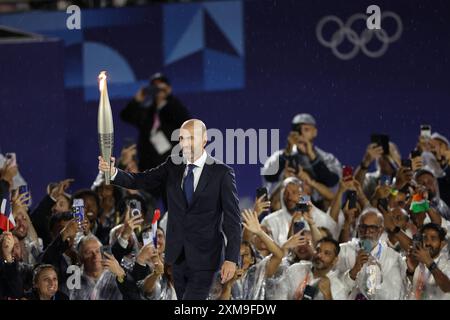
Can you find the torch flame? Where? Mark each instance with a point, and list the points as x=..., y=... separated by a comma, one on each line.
x=102, y=80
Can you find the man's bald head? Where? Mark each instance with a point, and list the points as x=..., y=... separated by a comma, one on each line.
x=193, y=138
x=194, y=124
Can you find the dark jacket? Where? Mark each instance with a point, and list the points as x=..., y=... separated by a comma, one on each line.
x=40, y=218
x=171, y=116
x=11, y=283
x=444, y=185
x=198, y=227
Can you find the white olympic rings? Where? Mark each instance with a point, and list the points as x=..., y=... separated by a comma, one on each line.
x=359, y=41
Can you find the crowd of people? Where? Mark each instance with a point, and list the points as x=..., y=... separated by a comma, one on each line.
x=322, y=231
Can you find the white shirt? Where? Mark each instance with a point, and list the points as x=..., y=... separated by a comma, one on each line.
x=393, y=270
x=197, y=171
x=279, y=222
x=431, y=290
x=301, y=271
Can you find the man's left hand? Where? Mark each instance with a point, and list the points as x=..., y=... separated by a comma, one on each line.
x=227, y=272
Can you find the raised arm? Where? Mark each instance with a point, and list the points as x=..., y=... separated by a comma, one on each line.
x=252, y=224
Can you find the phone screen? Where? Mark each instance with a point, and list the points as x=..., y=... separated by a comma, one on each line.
x=78, y=209
x=425, y=131
x=347, y=173
x=146, y=237
x=260, y=192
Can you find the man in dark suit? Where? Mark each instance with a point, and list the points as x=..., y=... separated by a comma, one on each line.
x=203, y=202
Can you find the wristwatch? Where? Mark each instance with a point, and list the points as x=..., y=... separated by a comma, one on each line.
x=432, y=266
x=122, y=278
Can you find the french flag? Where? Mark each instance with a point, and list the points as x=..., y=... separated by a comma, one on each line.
x=156, y=216
x=6, y=215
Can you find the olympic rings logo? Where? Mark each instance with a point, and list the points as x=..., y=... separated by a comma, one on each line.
x=359, y=41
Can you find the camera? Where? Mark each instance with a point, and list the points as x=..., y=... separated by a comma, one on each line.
x=303, y=205
x=135, y=207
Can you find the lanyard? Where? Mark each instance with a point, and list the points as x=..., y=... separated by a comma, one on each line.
x=380, y=248
x=301, y=288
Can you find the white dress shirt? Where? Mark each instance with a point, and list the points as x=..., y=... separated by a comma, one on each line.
x=392, y=266
x=301, y=271
x=197, y=171
x=431, y=290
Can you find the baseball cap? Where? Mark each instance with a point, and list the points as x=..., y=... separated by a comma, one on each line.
x=438, y=136
x=161, y=77
x=304, y=118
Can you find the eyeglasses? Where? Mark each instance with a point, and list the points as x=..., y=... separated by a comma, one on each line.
x=370, y=228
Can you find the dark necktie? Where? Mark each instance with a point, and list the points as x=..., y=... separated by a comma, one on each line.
x=188, y=183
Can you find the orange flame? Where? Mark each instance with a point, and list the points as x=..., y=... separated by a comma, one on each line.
x=102, y=80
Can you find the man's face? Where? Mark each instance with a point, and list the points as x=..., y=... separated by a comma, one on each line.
x=397, y=201
x=308, y=131
x=429, y=182
x=47, y=283
x=432, y=242
x=21, y=228
x=438, y=148
x=164, y=90
x=90, y=208
x=246, y=257
x=400, y=217
x=370, y=227
x=91, y=256
x=325, y=256
x=192, y=141
x=291, y=195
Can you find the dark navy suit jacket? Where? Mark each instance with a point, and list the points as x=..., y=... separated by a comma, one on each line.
x=199, y=227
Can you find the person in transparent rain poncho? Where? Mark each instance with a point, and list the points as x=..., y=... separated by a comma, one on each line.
x=369, y=267
x=278, y=222
x=298, y=249
x=99, y=275
x=428, y=269
x=249, y=281
x=158, y=284
x=314, y=280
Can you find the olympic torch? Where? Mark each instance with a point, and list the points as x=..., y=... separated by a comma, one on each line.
x=105, y=124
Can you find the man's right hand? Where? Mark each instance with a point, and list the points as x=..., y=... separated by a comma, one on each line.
x=361, y=259
x=140, y=95
x=373, y=152
x=104, y=166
